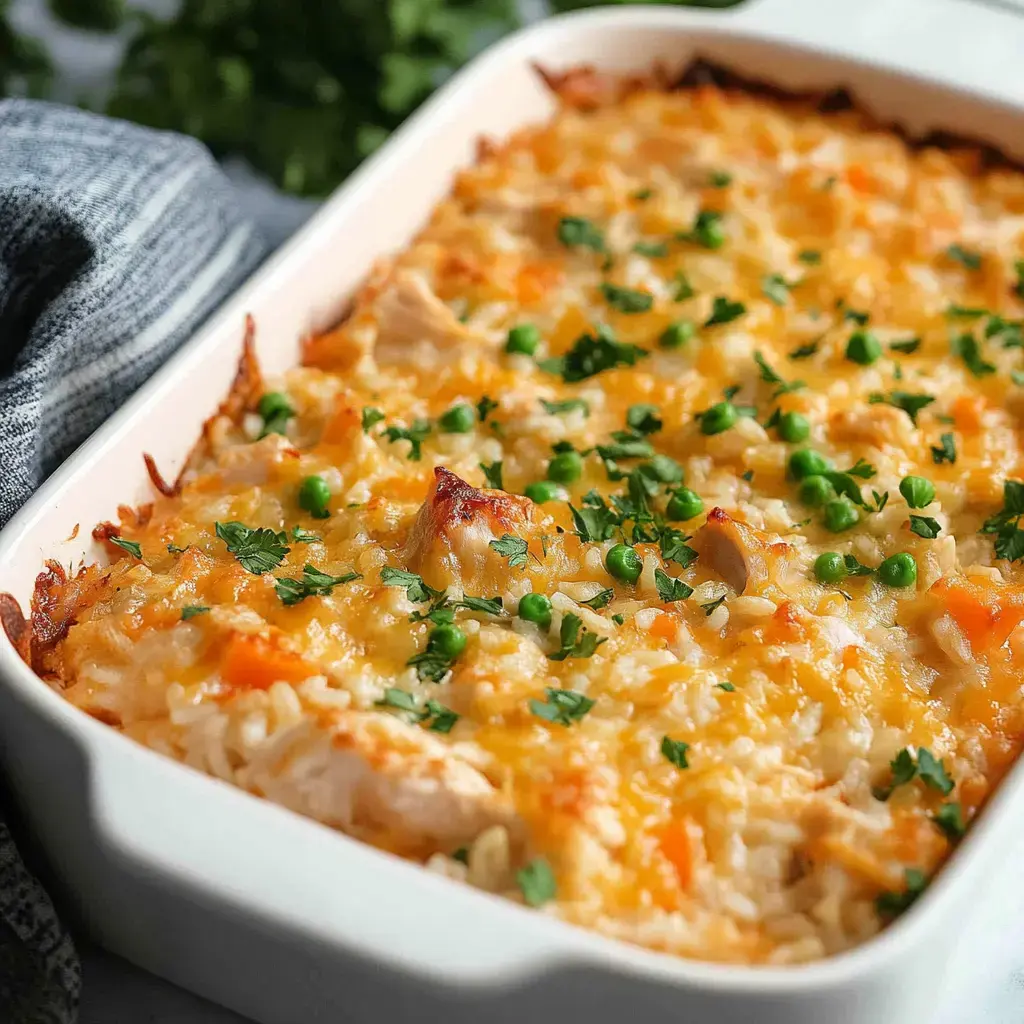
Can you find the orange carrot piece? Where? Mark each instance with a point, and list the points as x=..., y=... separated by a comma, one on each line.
x=967, y=412
x=674, y=843
x=252, y=663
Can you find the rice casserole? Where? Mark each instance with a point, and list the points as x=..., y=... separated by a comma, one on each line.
x=642, y=546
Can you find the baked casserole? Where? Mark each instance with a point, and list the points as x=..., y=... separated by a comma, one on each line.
x=643, y=544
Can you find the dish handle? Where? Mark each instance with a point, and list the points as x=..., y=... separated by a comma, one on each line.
x=969, y=44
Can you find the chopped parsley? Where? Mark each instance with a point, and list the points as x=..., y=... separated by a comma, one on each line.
x=643, y=418
x=950, y=819
x=853, y=315
x=431, y=665
x=578, y=231
x=806, y=351
x=313, y=583
x=683, y=288
x=515, y=549
x=929, y=769
x=911, y=404
x=492, y=474
x=402, y=700
x=132, y=547
x=484, y=605
x=1018, y=288
x=669, y=588
x=892, y=904
x=276, y=410
x=643, y=194
x=600, y=599
x=769, y=376
x=906, y=347
x=674, y=548
x=566, y=405
x=561, y=706
x=591, y=354
x=728, y=687
x=719, y=179
x=966, y=312
x=371, y=417
x=173, y=549
x=946, y=452
x=724, y=311
x=652, y=249
x=1005, y=524
x=626, y=300
x=965, y=257
x=436, y=717
x=925, y=526
x=415, y=434
x=536, y=882
x=628, y=448
x=855, y=567
x=595, y=521
x=967, y=348
x=706, y=231
x=712, y=606
x=258, y=551
x=190, y=611
x=775, y=288
x=301, y=536
x=415, y=589
x=575, y=645
x=810, y=256
x=485, y=407
x=674, y=751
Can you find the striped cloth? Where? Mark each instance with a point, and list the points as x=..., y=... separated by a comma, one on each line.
x=116, y=242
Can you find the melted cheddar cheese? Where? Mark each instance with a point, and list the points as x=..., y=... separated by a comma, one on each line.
x=763, y=770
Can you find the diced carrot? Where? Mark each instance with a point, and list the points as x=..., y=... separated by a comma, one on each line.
x=253, y=663
x=965, y=602
x=1006, y=621
x=665, y=627
x=967, y=412
x=833, y=848
x=674, y=843
x=860, y=179
x=535, y=280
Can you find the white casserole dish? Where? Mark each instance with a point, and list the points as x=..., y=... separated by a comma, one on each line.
x=287, y=921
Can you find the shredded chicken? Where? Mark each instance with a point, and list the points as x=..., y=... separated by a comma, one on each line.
x=732, y=550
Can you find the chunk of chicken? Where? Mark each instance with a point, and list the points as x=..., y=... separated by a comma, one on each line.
x=732, y=550
x=413, y=323
x=450, y=540
x=379, y=778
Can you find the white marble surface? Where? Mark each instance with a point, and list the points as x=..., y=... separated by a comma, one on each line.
x=984, y=984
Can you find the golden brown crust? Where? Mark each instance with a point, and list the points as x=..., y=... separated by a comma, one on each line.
x=16, y=627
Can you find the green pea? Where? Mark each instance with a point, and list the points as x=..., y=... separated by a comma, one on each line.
x=274, y=403
x=624, y=563
x=840, y=515
x=815, y=491
x=794, y=427
x=536, y=608
x=541, y=491
x=898, y=570
x=565, y=467
x=677, y=334
x=863, y=347
x=830, y=567
x=524, y=339
x=807, y=462
x=719, y=418
x=448, y=641
x=314, y=496
x=459, y=419
x=917, y=491
x=684, y=504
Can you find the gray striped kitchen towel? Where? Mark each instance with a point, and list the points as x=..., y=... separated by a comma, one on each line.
x=116, y=242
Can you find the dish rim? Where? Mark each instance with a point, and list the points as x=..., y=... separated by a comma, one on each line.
x=578, y=946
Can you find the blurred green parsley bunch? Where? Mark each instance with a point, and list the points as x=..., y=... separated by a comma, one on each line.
x=303, y=89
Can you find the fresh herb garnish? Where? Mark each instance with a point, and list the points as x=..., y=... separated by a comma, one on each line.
x=644, y=418
x=574, y=644
x=415, y=434
x=515, y=549
x=712, y=606
x=485, y=407
x=600, y=599
x=674, y=751
x=966, y=312
x=594, y=521
x=566, y=405
x=724, y=311
x=591, y=354
x=906, y=347
x=653, y=249
x=853, y=315
x=967, y=348
x=301, y=536
x=925, y=526
x=728, y=687
x=276, y=410
x=769, y=376
x=371, y=417
x=855, y=567
x=561, y=706
x=484, y=605
x=492, y=474
x=258, y=551
x=536, y=882
x=950, y=819
x=911, y=404
x=683, y=288
x=626, y=300
x=436, y=717
x=1005, y=524
x=1018, y=288
x=946, y=452
x=313, y=583
x=706, y=231
x=175, y=550
x=415, y=589
x=669, y=588
x=775, y=288
x=719, y=179
x=965, y=257
x=892, y=904
x=190, y=611
x=929, y=769
x=674, y=548
x=810, y=256
x=578, y=231
x=806, y=351
x=132, y=547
